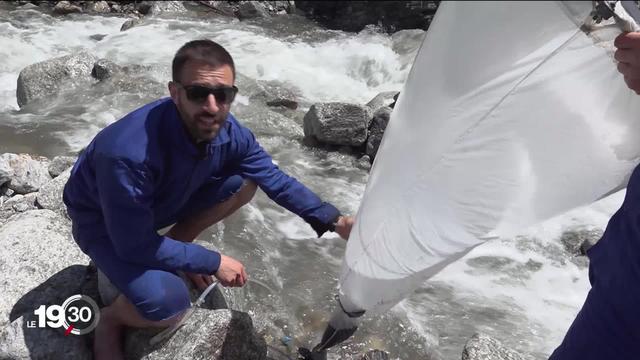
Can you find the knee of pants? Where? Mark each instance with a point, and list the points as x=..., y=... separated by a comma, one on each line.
x=166, y=297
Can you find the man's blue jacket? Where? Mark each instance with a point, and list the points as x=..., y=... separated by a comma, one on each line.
x=138, y=171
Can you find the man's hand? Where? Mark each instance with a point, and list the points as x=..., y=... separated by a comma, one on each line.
x=201, y=281
x=628, y=56
x=343, y=226
x=231, y=272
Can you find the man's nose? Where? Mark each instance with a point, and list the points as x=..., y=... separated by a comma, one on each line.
x=211, y=104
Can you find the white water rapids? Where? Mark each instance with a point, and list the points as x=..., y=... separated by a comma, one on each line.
x=524, y=291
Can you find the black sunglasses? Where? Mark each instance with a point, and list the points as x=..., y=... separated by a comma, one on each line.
x=200, y=93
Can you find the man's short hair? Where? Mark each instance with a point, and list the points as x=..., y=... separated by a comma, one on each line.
x=204, y=50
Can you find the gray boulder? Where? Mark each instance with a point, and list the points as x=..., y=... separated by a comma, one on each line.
x=337, y=123
x=251, y=10
x=66, y=7
x=217, y=334
x=383, y=99
x=19, y=342
x=29, y=174
x=376, y=130
x=5, y=191
x=364, y=162
x=6, y=172
x=131, y=79
x=100, y=7
x=130, y=23
x=97, y=37
x=276, y=94
x=483, y=347
x=50, y=195
x=225, y=8
x=159, y=7
x=265, y=122
x=39, y=263
x=17, y=204
x=45, y=78
x=280, y=6
x=104, y=69
x=60, y=164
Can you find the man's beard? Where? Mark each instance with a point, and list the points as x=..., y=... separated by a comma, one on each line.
x=194, y=124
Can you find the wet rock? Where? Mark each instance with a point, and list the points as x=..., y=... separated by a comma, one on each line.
x=375, y=355
x=100, y=7
x=279, y=6
x=217, y=334
x=376, y=130
x=364, y=163
x=483, y=347
x=337, y=123
x=274, y=93
x=97, y=37
x=383, y=99
x=159, y=7
x=577, y=242
x=356, y=15
x=103, y=69
x=5, y=191
x=28, y=6
x=50, y=195
x=131, y=79
x=66, y=7
x=225, y=8
x=37, y=255
x=289, y=104
x=29, y=174
x=6, y=172
x=251, y=10
x=15, y=205
x=130, y=23
x=19, y=342
x=270, y=123
x=60, y=164
x=45, y=78
x=144, y=7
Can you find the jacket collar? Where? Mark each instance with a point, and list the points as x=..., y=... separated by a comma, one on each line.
x=181, y=138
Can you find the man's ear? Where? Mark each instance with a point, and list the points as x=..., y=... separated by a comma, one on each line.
x=173, y=91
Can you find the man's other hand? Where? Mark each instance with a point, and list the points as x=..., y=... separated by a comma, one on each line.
x=343, y=226
x=201, y=281
x=231, y=272
x=628, y=56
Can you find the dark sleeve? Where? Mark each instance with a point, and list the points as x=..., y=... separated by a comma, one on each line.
x=126, y=192
x=256, y=164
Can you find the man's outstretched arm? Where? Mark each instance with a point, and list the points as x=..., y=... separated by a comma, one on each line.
x=257, y=165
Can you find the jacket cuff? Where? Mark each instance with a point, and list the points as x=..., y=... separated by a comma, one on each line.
x=323, y=220
x=214, y=261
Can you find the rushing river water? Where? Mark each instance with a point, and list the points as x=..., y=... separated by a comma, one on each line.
x=524, y=291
